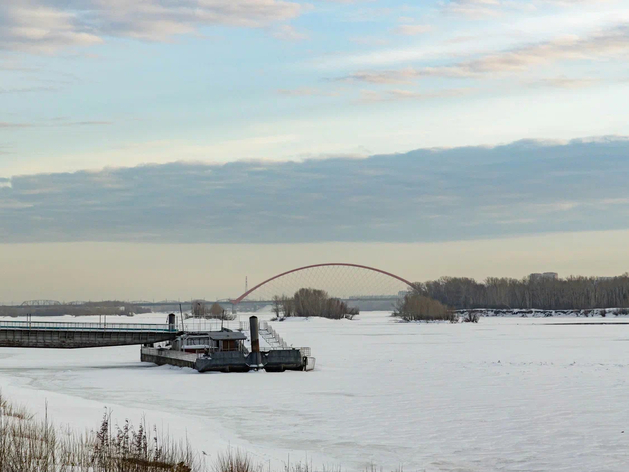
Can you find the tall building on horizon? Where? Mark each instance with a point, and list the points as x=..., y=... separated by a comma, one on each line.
x=544, y=276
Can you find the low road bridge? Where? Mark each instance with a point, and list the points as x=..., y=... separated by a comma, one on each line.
x=81, y=335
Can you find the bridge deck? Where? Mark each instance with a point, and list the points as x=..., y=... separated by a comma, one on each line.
x=65, y=326
x=55, y=335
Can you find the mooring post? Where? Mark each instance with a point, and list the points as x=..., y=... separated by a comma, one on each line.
x=255, y=341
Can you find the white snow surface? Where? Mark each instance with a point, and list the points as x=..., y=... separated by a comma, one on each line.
x=507, y=394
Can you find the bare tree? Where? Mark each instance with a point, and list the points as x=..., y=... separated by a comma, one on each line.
x=219, y=313
x=309, y=302
x=277, y=307
x=288, y=306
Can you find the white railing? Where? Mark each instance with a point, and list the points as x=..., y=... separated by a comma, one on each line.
x=275, y=337
x=203, y=325
x=186, y=356
x=49, y=325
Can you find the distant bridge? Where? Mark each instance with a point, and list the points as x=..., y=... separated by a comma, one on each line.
x=339, y=279
x=346, y=281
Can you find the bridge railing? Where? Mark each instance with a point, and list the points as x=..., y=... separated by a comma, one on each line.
x=187, y=356
x=51, y=325
x=281, y=344
x=204, y=325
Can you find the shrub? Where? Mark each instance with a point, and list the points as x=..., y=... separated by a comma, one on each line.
x=417, y=307
x=309, y=302
x=471, y=317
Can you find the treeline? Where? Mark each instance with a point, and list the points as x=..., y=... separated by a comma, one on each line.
x=307, y=302
x=572, y=293
x=105, y=308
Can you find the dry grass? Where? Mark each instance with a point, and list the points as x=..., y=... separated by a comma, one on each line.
x=235, y=461
x=31, y=445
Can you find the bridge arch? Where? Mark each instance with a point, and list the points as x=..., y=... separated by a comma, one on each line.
x=314, y=266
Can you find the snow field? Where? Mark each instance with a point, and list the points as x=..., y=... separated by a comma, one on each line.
x=507, y=394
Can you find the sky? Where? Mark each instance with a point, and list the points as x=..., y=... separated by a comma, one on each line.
x=223, y=124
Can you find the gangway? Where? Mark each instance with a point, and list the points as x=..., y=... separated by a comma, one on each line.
x=271, y=337
x=64, y=335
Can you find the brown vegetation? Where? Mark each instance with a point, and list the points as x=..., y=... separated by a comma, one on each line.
x=31, y=445
x=417, y=307
x=309, y=302
x=215, y=312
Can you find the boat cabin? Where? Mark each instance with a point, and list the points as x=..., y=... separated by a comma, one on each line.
x=213, y=341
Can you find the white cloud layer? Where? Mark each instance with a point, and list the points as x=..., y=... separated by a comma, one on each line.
x=612, y=43
x=44, y=26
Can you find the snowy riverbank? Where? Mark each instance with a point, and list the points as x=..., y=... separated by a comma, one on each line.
x=508, y=394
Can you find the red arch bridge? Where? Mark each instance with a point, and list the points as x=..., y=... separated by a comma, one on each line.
x=360, y=285
x=368, y=288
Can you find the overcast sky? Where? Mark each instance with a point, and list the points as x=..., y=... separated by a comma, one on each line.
x=311, y=122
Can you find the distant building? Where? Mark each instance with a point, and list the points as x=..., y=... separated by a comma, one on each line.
x=537, y=276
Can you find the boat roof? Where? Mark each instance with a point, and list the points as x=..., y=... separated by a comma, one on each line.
x=219, y=335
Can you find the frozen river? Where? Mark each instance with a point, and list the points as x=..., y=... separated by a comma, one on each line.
x=504, y=395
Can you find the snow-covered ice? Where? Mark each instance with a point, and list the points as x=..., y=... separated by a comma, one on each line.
x=507, y=394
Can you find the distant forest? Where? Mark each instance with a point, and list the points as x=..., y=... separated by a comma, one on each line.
x=573, y=293
x=105, y=308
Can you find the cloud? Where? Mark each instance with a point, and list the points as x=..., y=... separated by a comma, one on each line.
x=401, y=94
x=348, y=2
x=473, y=8
x=54, y=123
x=44, y=26
x=6, y=124
x=289, y=33
x=307, y=92
x=607, y=44
x=85, y=123
x=412, y=30
x=369, y=40
x=34, y=27
x=423, y=195
x=399, y=76
x=482, y=9
x=29, y=89
x=566, y=82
